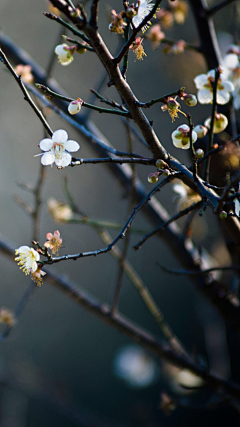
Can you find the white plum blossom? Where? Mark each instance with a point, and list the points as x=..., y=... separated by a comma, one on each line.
x=236, y=97
x=220, y=123
x=57, y=149
x=27, y=258
x=64, y=53
x=145, y=7
x=237, y=207
x=133, y=365
x=200, y=130
x=231, y=68
x=75, y=106
x=181, y=137
x=204, y=83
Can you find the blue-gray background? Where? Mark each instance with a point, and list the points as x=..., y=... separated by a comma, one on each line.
x=57, y=364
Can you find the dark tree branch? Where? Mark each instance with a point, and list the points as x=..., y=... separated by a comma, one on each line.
x=94, y=13
x=163, y=226
x=119, y=160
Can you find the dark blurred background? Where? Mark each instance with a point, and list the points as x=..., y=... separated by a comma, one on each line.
x=60, y=366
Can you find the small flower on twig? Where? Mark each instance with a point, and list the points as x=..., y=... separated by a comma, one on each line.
x=175, y=48
x=54, y=242
x=25, y=72
x=220, y=123
x=189, y=99
x=137, y=48
x=155, y=35
x=204, y=84
x=144, y=7
x=75, y=106
x=153, y=177
x=65, y=53
x=7, y=317
x=27, y=258
x=200, y=130
x=165, y=17
x=37, y=276
x=179, y=10
x=173, y=107
x=57, y=149
x=59, y=211
x=181, y=137
x=117, y=24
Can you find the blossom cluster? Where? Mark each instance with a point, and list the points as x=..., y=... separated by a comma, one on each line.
x=29, y=259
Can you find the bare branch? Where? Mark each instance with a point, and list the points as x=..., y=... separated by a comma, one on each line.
x=163, y=226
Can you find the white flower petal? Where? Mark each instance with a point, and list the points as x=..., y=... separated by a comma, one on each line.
x=60, y=136
x=205, y=96
x=231, y=60
x=222, y=97
x=194, y=136
x=34, y=266
x=179, y=189
x=64, y=160
x=23, y=249
x=178, y=143
x=211, y=73
x=46, y=144
x=237, y=207
x=228, y=86
x=47, y=159
x=200, y=81
x=71, y=145
x=184, y=127
x=67, y=61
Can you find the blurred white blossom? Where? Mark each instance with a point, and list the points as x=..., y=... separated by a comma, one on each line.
x=135, y=367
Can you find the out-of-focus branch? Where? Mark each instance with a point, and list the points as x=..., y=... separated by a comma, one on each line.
x=162, y=227
x=192, y=272
x=134, y=332
x=212, y=10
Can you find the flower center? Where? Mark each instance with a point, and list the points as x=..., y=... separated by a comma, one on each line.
x=58, y=149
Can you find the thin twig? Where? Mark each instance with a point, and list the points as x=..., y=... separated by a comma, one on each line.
x=194, y=272
x=163, y=226
x=52, y=94
x=66, y=25
x=119, y=160
x=26, y=94
x=19, y=308
x=161, y=99
x=120, y=236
